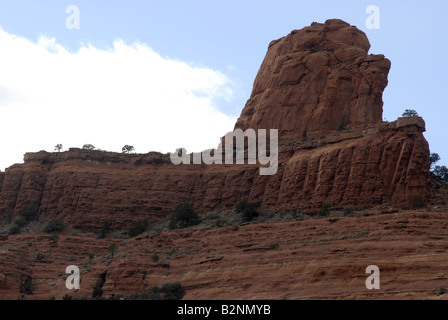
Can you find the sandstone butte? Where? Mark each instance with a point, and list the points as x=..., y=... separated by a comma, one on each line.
x=322, y=90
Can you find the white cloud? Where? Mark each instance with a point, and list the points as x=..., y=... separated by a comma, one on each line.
x=108, y=98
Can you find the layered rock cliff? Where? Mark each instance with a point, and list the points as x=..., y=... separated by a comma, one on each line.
x=311, y=259
x=323, y=92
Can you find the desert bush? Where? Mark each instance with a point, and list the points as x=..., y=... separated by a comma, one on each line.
x=20, y=221
x=349, y=211
x=439, y=201
x=441, y=291
x=417, y=202
x=112, y=248
x=298, y=215
x=409, y=113
x=54, y=226
x=39, y=256
x=324, y=211
x=26, y=285
x=184, y=216
x=54, y=238
x=433, y=159
x=88, y=147
x=105, y=229
x=28, y=213
x=219, y=223
x=169, y=291
x=248, y=209
x=441, y=172
x=23, y=218
x=155, y=257
x=172, y=291
x=127, y=149
x=139, y=227
x=14, y=229
x=153, y=293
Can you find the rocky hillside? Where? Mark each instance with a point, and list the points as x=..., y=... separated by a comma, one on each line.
x=310, y=259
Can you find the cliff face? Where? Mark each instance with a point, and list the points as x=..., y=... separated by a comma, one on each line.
x=387, y=163
x=316, y=79
x=323, y=93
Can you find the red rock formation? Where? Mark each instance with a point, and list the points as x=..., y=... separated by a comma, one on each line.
x=316, y=79
x=307, y=83
x=311, y=84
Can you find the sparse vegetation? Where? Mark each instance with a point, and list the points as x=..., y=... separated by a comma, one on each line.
x=417, y=202
x=29, y=213
x=169, y=291
x=23, y=218
x=26, y=285
x=409, y=113
x=139, y=227
x=172, y=291
x=441, y=291
x=219, y=223
x=298, y=215
x=58, y=147
x=127, y=149
x=112, y=248
x=441, y=172
x=248, y=209
x=105, y=229
x=54, y=226
x=88, y=147
x=325, y=210
x=349, y=211
x=39, y=256
x=184, y=216
x=433, y=159
x=155, y=257
x=14, y=229
x=20, y=221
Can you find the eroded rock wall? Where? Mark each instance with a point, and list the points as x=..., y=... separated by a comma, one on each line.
x=315, y=80
x=309, y=82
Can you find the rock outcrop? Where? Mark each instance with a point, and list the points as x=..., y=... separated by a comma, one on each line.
x=323, y=92
x=315, y=80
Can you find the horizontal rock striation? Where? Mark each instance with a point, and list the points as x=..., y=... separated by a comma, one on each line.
x=386, y=163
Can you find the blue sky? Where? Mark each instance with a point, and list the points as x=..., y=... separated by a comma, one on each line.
x=219, y=42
